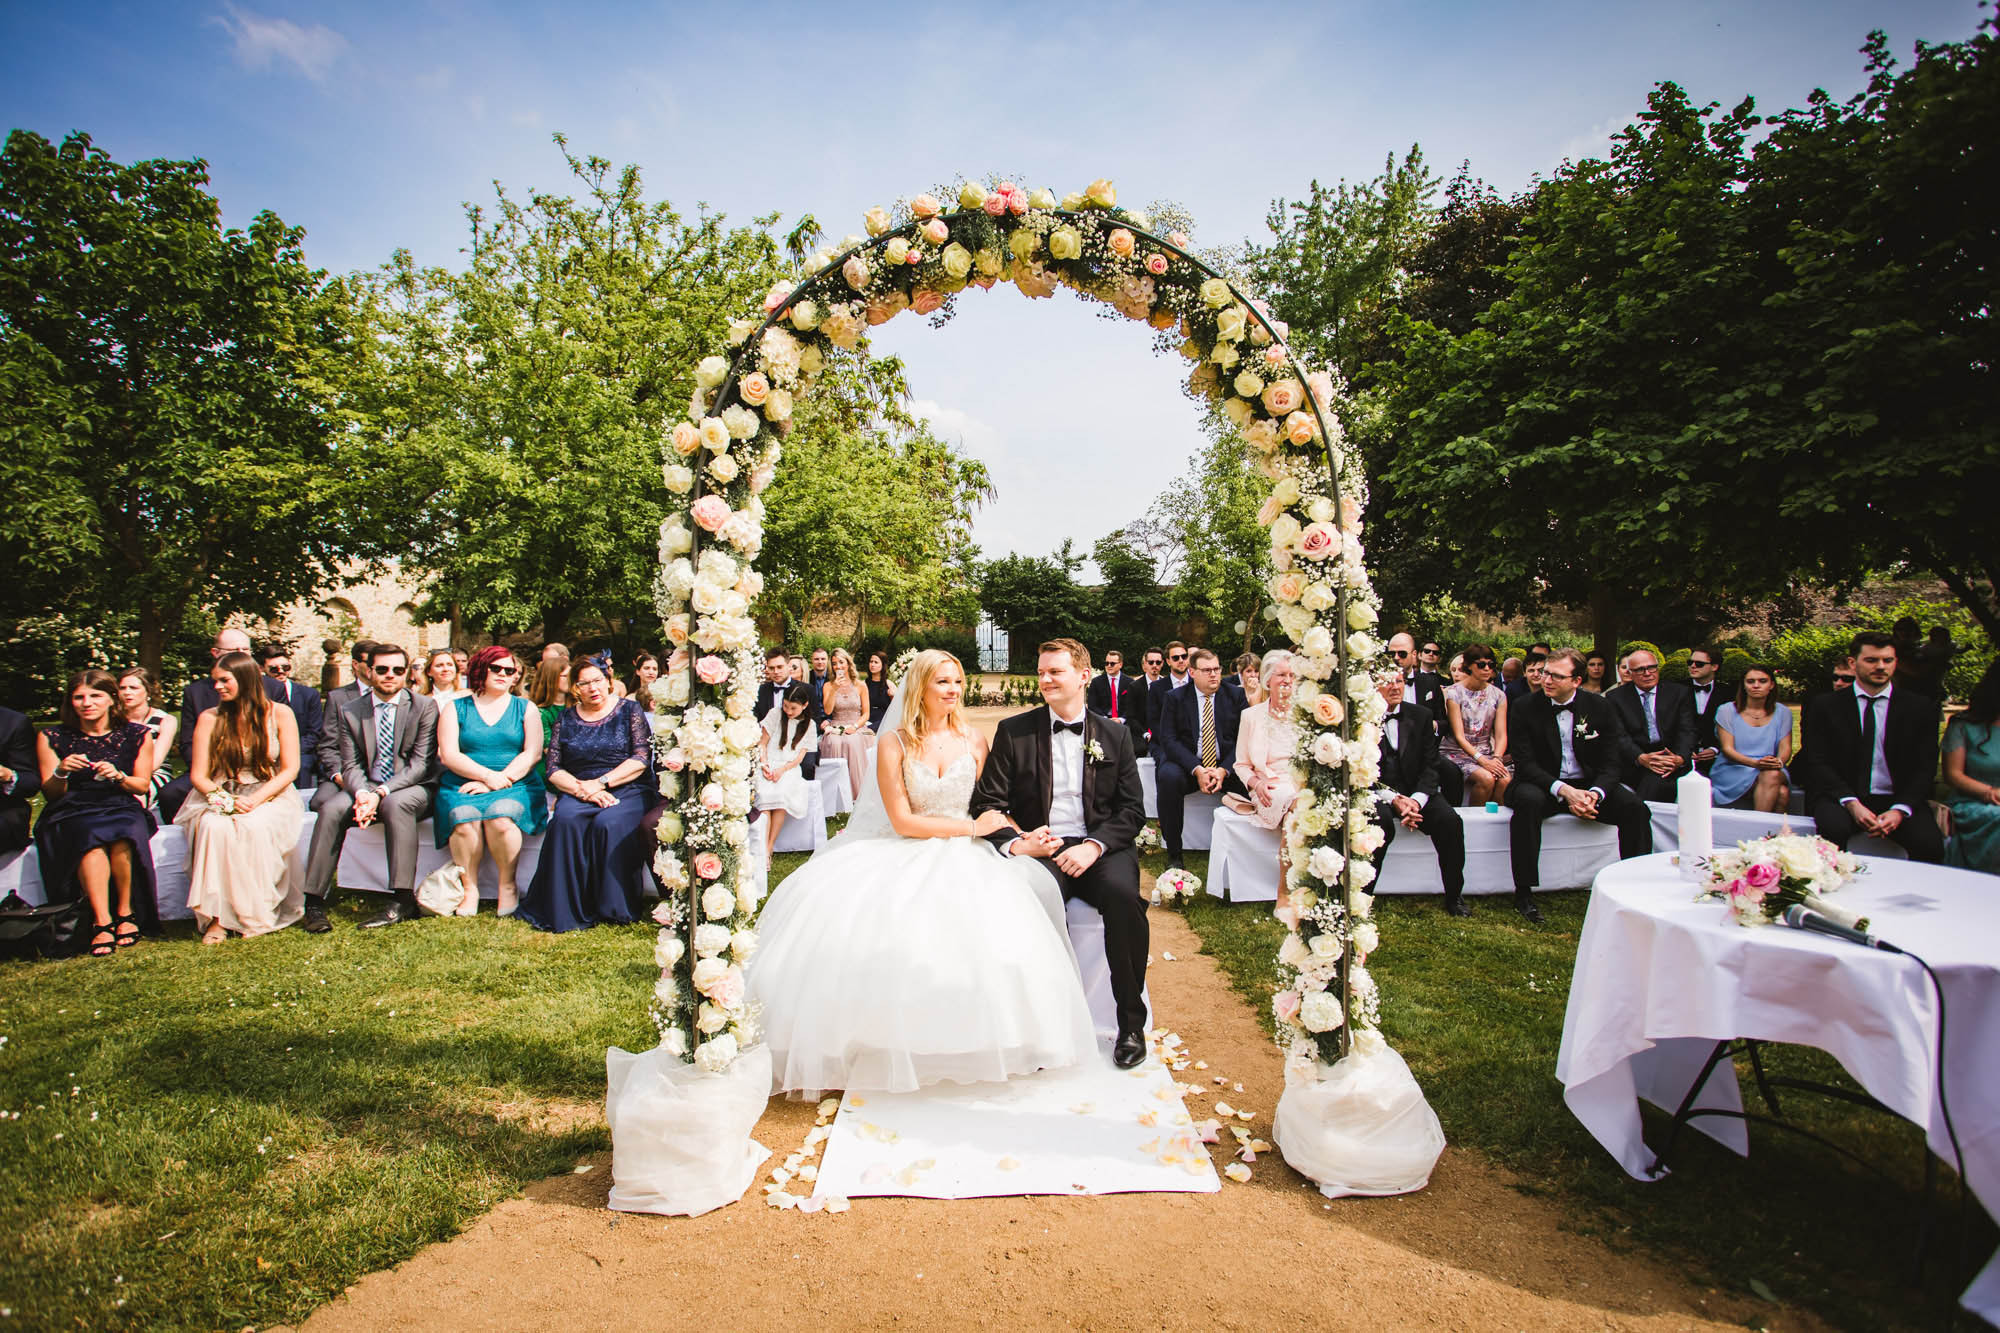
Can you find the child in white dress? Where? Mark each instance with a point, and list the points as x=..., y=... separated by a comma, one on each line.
x=789, y=736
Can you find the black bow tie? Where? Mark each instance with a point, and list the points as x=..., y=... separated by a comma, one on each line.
x=1564, y=708
x=1076, y=727
x=1392, y=714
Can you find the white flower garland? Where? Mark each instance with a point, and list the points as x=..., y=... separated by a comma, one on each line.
x=922, y=257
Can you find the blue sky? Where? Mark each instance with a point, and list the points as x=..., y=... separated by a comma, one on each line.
x=371, y=124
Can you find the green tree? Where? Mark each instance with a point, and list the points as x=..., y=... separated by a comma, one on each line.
x=1128, y=602
x=1035, y=598
x=168, y=439
x=1223, y=561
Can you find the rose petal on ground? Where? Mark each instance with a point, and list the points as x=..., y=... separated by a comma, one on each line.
x=1237, y=1172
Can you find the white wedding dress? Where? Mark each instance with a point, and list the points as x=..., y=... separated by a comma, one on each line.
x=886, y=963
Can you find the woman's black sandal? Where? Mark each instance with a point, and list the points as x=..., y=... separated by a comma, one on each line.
x=118, y=933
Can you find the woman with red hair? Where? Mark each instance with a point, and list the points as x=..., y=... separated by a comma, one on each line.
x=489, y=741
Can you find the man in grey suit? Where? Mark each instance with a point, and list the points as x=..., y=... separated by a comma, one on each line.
x=327, y=755
x=387, y=741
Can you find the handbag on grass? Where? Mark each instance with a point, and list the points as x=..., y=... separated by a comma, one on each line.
x=442, y=891
x=53, y=930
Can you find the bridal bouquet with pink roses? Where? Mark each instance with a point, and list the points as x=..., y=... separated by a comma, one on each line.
x=1761, y=877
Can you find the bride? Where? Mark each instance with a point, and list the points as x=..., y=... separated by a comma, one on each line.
x=909, y=951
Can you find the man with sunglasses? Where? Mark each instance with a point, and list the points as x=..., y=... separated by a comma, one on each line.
x=1657, y=717
x=303, y=700
x=1118, y=697
x=388, y=770
x=1423, y=687
x=1175, y=676
x=1567, y=754
x=1704, y=666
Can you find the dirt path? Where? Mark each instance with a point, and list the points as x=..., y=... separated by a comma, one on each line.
x=1468, y=1252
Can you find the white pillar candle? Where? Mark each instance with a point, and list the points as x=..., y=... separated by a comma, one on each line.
x=1697, y=824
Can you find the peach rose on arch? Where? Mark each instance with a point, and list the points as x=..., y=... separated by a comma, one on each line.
x=711, y=670
x=710, y=512
x=707, y=865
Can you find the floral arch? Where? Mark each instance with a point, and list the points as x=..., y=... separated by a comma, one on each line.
x=718, y=460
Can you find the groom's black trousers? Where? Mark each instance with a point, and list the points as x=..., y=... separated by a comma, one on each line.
x=1111, y=886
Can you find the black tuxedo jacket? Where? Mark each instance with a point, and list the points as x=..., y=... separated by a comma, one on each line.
x=1019, y=778
x=1597, y=738
x=1410, y=766
x=1177, y=737
x=767, y=698
x=17, y=751
x=1131, y=700
x=1704, y=718
x=304, y=702
x=1426, y=690
x=1831, y=766
x=1673, y=710
x=200, y=696
x=328, y=743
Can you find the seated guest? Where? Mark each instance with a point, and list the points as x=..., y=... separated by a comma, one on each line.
x=1567, y=754
x=462, y=659
x=845, y=706
x=1513, y=683
x=20, y=779
x=1474, y=737
x=1842, y=675
x=327, y=765
x=789, y=735
x=600, y=764
x=1265, y=738
x=1119, y=697
x=555, y=652
x=1754, y=737
x=138, y=701
x=1422, y=687
x=1429, y=655
x=490, y=795
x=243, y=818
x=387, y=739
x=771, y=690
x=1195, y=744
x=1245, y=678
x=797, y=662
x=93, y=839
x=1710, y=696
x=1409, y=793
x=1656, y=720
x=196, y=699
x=1173, y=678
x=303, y=700
x=1532, y=673
x=880, y=691
x=1872, y=755
x=1152, y=666
x=639, y=685
x=440, y=679
x=1596, y=673
x=1972, y=770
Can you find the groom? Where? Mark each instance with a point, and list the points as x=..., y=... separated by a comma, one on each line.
x=1068, y=776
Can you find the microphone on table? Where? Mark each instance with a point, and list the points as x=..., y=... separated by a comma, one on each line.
x=1800, y=917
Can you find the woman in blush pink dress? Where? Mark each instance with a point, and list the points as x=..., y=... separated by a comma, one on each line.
x=845, y=733
x=1265, y=737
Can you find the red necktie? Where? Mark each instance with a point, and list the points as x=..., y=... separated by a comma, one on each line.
x=1114, y=698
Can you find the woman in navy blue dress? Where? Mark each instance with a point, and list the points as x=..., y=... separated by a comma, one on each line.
x=600, y=766
x=94, y=837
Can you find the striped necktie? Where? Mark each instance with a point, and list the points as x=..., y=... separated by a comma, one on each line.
x=1211, y=754
x=385, y=741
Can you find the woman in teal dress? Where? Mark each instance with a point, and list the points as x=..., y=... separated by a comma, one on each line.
x=491, y=794
x=1972, y=770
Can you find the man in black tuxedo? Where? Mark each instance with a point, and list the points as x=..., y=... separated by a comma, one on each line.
x=1872, y=755
x=394, y=785
x=1409, y=793
x=20, y=778
x=1173, y=678
x=1567, y=754
x=1118, y=697
x=1068, y=779
x=1656, y=722
x=777, y=675
x=1425, y=689
x=1194, y=744
x=1704, y=670
x=197, y=698
x=303, y=700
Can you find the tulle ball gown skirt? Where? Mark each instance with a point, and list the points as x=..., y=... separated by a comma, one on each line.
x=889, y=964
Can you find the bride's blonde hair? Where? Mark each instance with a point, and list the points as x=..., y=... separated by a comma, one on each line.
x=916, y=688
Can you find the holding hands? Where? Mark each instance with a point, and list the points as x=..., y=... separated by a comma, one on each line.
x=1209, y=780
x=1582, y=804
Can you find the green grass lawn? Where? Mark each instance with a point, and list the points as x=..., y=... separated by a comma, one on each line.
x=1476, y=1007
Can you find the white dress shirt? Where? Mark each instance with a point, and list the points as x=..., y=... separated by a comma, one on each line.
x=1392, y=729
x=1880, y=783
x=1066, y=817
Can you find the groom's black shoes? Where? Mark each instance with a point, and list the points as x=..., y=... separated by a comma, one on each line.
x=1129, y=1050
x=1174, y=861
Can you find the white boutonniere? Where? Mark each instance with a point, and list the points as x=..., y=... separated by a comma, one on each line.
x=1582, y=732
x=1095, y=751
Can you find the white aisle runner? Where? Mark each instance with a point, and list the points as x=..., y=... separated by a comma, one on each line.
x=1093, y=1129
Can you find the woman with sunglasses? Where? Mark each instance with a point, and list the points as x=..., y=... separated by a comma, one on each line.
x=490, y=797
x=1475, y=733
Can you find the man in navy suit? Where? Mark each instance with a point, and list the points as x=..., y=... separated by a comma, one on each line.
x=1173, y=678
x=1568, y=751
x=196, y=699
x=1194, y=745
x=303, y=700
x=1872, y=755
x=20, y=778
x=1119, y=698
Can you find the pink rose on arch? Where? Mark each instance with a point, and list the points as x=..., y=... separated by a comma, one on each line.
x=1761, y=876
x=926, y=302
x=707, y=865
x=1156, y=264
x=924, y=206
x=676, y=759
x=936, y=232
x=711, y=799
x=1283, y=397
x=710, y=513
x=1267, y=513
x=727, y=989
x=1285, y=1004
x=1016, y=198
x=996, y=203
x=914, y=258
x=711, y=670
x=677, y=661
x=754, y=388
x=1179, y=239
x=1318, y=541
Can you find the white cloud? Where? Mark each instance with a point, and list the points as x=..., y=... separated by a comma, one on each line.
x=260, y=40
x=1594, y=142
x=954, y=425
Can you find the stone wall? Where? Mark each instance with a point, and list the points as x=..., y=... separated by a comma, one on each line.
x=383, y=609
